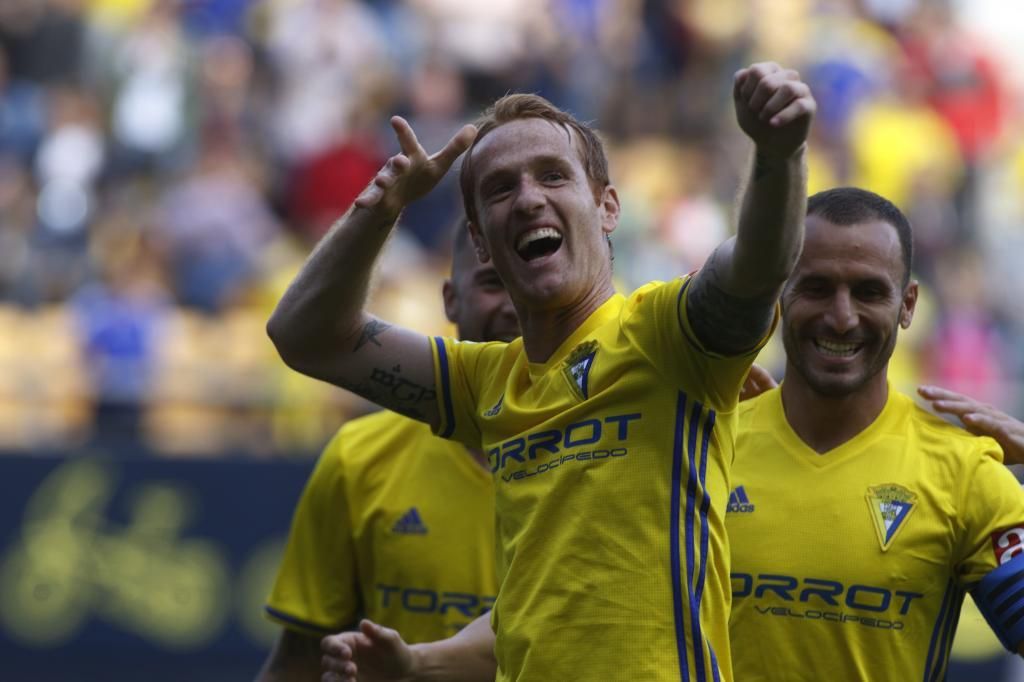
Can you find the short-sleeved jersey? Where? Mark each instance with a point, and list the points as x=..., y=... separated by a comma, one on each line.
x=853, y=564
x=610, y=463
x=396, y=525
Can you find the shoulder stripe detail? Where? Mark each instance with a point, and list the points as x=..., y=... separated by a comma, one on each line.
x=947, y=635
x=942, y=634
x=701, y=423
x=284, y=618
x=679, y=317
x=705, y=506
x=935, y=632
x=677, y=588
x=446, y=390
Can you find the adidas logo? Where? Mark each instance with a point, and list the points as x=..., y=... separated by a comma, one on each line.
x=410, y=523
x=493, y=412
x=739, y=503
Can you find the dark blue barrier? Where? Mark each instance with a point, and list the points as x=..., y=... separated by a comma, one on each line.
x=139, y=569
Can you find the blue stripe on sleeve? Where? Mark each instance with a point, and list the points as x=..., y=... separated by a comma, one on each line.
x=939, y=622
x=446, y=391
x=705, y=505
x=946, y=644
x=679, y=316
x=677, y=588
x=691, y=498
x=306, y=625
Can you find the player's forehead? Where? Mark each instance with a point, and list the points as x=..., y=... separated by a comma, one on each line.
x=516, y=144
x=870, y=249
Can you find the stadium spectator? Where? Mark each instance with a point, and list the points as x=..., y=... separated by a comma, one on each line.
x=214, y=228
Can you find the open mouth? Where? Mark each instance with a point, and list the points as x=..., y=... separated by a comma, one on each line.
x=538, y=243
x=837, y=349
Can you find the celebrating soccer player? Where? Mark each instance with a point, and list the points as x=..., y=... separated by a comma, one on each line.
x=858, y=520
x=609, y=426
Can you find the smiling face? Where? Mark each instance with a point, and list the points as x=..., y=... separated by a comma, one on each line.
x=843, y=306
x=475, y=299
x=537, y=217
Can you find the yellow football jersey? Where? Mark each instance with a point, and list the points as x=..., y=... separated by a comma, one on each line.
x=853, y=564
x=396, y=525
x=610, y=462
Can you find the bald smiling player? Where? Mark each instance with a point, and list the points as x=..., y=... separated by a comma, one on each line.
x=858, y=521
x=395, y=524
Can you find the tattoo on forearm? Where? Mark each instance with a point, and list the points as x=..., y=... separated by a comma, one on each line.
x=725, y=323
x=401, y=389
x=371, y=331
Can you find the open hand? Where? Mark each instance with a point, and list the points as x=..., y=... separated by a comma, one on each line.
x=411, y=174
x=981, y=420
x=773, y=107
x=757, y=382
x=371, y=654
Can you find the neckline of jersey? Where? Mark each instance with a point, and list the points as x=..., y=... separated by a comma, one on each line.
x=805, y=453
x=606, y=311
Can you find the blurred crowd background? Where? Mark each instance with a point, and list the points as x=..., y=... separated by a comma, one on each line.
x=166, y=165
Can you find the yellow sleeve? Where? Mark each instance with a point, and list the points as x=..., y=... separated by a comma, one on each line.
x=663, y=330
x=991, y=517
x=461, y=368
x=315, y=591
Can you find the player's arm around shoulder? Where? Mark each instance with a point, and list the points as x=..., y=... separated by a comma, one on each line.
x=320, y=327
x=981, y=419
x=732, y=298
x=294, y=658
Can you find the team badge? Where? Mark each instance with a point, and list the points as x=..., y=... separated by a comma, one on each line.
x=577, y=368
x=1008, y=543
x=890, y=505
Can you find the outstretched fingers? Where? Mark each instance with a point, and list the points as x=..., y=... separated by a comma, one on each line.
x=407, y=138
x=456, y=146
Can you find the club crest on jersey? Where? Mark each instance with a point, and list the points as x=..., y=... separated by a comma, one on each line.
x=577, y=368
x=890, y=505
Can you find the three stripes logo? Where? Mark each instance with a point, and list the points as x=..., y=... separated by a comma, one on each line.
x=410, y=523
x=739, y=503
x=493, y=412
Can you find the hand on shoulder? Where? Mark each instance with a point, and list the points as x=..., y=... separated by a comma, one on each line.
x=980, y=419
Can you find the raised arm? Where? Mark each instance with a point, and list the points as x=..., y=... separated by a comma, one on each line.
x=731, y=300
x=320, y=327
x=980, y=419
x=379, y=654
